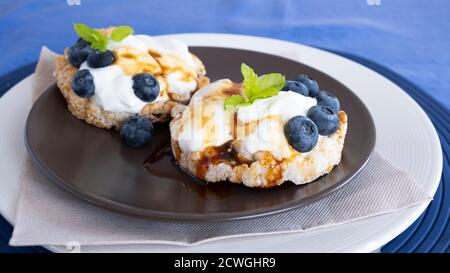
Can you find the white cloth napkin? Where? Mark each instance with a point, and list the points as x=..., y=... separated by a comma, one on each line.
x=48, y=215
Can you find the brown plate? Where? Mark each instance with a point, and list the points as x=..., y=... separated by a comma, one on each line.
x=93, y=163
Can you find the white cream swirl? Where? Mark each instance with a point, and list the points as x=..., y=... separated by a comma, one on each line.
x=254, y=128
x=113, y=86
x=261, y=125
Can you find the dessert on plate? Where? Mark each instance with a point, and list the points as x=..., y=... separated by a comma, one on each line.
x=111, y=76
x=260, y=133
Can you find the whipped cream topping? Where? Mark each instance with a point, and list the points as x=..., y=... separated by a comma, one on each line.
x=254, y=128
x=180, y=86
x=130, y=40
x=168, y=46
x=114, y=90
x=286, y=104
x=261, y=125
x=205, y=121
x=167, y=59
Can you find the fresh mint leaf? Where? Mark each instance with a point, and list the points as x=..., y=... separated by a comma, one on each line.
x=266, y=93
x=121, y=32
x=250, y=78
x=97, y=40
x=268, y=85
x=83, y=31
x=101, y=44
x=234, y=101
x=256, y=87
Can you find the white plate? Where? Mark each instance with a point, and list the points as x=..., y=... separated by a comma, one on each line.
x=405, y=135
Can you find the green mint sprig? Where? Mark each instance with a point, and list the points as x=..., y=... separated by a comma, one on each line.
x=261, y=87
x=97, y=39
x=120, y=33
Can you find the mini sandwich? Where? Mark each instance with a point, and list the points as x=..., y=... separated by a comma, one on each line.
x=260, y=133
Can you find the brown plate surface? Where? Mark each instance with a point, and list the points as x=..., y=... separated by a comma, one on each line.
x=93, y=163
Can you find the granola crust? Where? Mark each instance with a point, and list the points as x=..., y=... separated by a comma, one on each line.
x=265, y=171
x=89, y=111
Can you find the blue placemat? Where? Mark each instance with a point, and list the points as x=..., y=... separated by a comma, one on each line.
x=430, y=233
x=411, y=37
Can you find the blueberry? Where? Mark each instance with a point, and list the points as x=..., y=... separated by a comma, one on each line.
x=83, y=84
x=79, y=52
x=136, y=131
x=326, y=99
x=301, y=133
x=297, y=87
x=97, y=59
x=146, y=87
x=326, y=120
x=82, y=42
x=311, y=84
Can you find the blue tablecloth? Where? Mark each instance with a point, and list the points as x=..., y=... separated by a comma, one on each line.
x=411, y=38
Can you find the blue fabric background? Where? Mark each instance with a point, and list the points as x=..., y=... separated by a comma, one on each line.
x=410, y=38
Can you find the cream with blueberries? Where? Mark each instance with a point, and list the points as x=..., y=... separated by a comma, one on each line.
x=113, y=77
x=261, y=132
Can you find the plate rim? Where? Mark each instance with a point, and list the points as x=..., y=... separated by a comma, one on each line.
x=124, y=209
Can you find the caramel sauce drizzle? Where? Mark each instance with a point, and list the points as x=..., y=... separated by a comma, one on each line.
x=133, y=61
x=227, y=153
